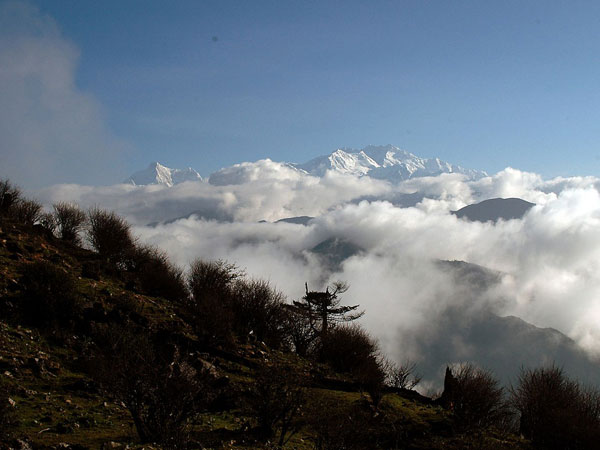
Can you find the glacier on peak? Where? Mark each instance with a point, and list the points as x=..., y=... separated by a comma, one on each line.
x=156, y=173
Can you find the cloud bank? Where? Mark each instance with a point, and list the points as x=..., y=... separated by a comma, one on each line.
x=51, y=130
x=548, y=263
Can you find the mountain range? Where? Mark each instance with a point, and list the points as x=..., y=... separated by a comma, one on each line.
x=385, y=162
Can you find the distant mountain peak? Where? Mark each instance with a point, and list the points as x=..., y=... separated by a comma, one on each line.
x=385, y=162
x=156, y=173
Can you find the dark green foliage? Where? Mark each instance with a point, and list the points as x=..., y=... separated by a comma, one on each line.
x=475, y=398
x=277, y=399
x=259, y=309
x=70, y=220
x=110, y=235
x=556, y=412
x=156, y=275
x=49, y=297
x=162, y=391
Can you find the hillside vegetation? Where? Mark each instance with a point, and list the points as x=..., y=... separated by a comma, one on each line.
x=116, y=347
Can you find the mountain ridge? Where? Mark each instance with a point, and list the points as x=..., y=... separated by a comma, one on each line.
x=384, y=162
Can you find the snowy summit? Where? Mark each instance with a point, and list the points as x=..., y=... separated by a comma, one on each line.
x=383, y=162
x=156, y=173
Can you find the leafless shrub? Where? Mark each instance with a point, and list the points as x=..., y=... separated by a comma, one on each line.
x=49, y=295
x=259, y=309
x=212, y=278
x=401, y=375
x=26, y=211
x=347, y=347
x=69, y=221
x=210, y=284
x=475, y=397
x=109, y=234
x=300, y=330
x=48, y=222
x=162, y=391
x=7, y=416
x=335, y=425
x=277, y=399
x=14, y=207
x=556, y=412
x=156, y=275
x=9, y=196
x=350, y=349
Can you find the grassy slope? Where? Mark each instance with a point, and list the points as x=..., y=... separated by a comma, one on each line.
x=55, y=401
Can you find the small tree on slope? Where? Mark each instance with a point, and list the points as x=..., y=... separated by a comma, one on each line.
x=325, y=307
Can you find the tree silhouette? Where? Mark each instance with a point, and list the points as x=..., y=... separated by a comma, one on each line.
x=324, y=307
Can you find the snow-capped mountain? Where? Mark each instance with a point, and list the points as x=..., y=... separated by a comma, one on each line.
x=156, y=173
x=383, y=162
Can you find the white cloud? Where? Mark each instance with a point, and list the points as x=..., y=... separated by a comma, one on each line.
x=51, y=130
x=549, y=261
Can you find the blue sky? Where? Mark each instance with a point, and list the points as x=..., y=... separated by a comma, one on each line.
x=484, y=84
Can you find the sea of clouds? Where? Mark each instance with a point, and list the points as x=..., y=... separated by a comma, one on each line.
x=549, y=261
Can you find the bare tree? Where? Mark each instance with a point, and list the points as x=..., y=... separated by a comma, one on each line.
x=402, y=375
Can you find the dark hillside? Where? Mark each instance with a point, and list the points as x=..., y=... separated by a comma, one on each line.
x=495, y=209
x=109, y=366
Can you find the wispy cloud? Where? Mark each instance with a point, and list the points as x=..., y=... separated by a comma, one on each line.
x=51, y=130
